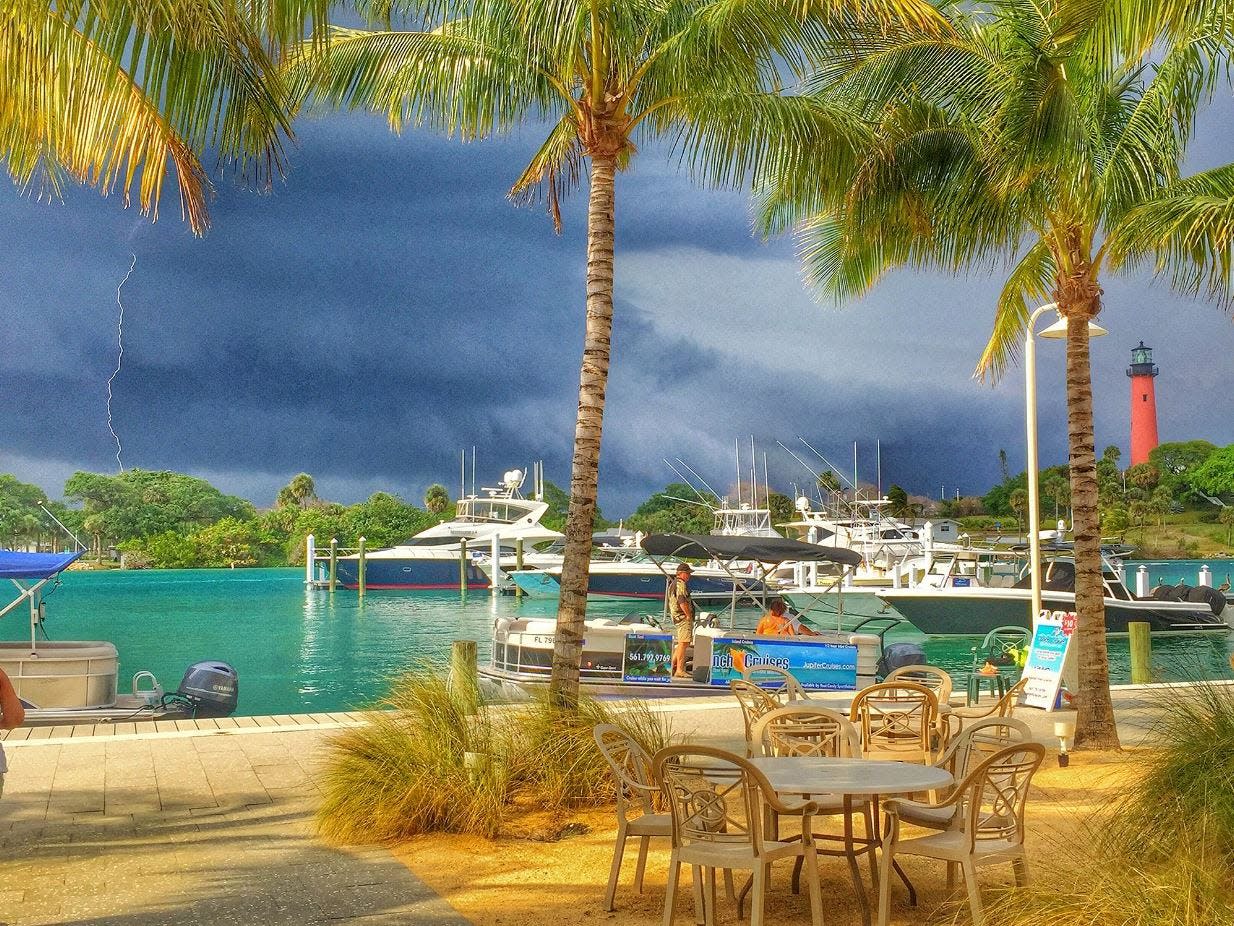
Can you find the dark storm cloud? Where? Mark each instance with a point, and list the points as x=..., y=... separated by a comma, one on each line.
x=387, y=306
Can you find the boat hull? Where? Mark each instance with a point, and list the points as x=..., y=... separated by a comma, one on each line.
x=407, y=574
x=949, y=613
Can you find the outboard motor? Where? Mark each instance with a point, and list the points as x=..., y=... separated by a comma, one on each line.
x=212, y=688
x=897, y=655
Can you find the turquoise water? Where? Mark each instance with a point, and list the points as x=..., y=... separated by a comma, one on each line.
x=1171, y=572
x=301, y=650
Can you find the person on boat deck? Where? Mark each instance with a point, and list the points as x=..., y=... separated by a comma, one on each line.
x=681, y=611
x=11, y=715
x=776, y=623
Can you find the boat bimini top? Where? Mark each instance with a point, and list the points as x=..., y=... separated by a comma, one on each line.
x=748, y=561
x=29, y=572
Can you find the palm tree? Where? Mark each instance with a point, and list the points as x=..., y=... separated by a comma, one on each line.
x=603, y=76
x=111, y=93
x=436, y=498
x=1048, y=135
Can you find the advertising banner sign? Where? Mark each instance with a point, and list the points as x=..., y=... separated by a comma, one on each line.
x=1046, y=656
x=817, y=666
x=648, y=658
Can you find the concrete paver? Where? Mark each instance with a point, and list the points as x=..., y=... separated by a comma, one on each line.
x=196, y=827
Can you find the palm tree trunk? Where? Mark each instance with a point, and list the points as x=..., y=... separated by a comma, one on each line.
x=1095, y=726
x=593, y=380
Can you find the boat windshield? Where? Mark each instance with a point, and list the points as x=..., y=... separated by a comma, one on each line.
x=494, y=510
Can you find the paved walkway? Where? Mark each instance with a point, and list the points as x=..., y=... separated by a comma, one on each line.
x=189, y=827
x=202, y=825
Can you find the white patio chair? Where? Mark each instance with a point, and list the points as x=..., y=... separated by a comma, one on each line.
x=636, y=811
x=754, y=704
x=978, y=742
x=989, y=829
x=897, y=720
x=721, y=808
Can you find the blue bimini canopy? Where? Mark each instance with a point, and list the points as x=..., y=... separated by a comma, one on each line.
x=14, y=565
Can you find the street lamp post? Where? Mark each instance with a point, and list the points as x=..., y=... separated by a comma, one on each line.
x=1056, y=331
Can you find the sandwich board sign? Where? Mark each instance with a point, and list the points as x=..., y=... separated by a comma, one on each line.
x=1047, y=653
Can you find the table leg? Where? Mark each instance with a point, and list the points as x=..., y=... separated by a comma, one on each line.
x=850, y=851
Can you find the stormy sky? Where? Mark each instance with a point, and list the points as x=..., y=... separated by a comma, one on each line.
x=386, y=306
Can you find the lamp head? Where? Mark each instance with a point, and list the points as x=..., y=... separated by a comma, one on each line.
x=1058, y=330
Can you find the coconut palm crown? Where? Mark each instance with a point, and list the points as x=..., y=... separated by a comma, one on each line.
x=1046, y=136
x=113, y=93
x=602, y=77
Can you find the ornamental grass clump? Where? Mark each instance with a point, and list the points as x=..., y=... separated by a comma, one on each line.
x=1184, y=798
x=1162, y=854
x=416, y=767
x=431, y=762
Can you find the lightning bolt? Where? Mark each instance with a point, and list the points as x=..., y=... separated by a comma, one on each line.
x=119, y=362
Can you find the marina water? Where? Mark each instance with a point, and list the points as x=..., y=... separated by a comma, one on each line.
x=301, y=650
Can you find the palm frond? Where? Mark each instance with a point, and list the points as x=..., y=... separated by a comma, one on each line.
x=554, y=171
x=1030, y=282
x=729, y=138
x=447, y=79
x=110, y=92
x=1187, y=233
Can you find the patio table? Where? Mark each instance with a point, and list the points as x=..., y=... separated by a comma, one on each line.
x=856, y=781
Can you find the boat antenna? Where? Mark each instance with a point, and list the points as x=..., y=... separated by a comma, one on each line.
x=737, y=456
x=462, y=474
x=839, y=475
x=473, y=469
x=703, y=481
x=766, y=483
x=753, y=476
x=878, y=458
x=47, y=511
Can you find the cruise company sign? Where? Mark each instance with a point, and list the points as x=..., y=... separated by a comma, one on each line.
x=1047, y=654
x=817, y=666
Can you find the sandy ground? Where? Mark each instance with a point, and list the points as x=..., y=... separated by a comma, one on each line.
x=514, y=881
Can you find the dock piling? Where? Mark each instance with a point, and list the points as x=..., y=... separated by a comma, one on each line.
x=310, y=559
x=1141, y=653
x=495, y=574
x=518, y=565
x=360, y=570
x=463, y=680
x=462, y=566
x=1141, y=582
x=333, y=562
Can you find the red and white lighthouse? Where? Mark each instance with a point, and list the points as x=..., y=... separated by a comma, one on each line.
x=1143, y=404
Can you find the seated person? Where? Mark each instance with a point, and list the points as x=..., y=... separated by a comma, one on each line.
x=776, y=623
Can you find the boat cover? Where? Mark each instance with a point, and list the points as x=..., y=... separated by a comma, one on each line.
x=760, y=549
x=14, y=565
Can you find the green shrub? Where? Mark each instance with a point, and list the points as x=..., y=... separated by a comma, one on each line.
x=426, y=764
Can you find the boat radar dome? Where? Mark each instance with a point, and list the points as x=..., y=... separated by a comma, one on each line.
x=803, y=503
x=512, y=479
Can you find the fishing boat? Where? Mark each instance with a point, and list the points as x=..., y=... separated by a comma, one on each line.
x=76, y=681
x=631, y=656
x=431, y=559
x=956, y=600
